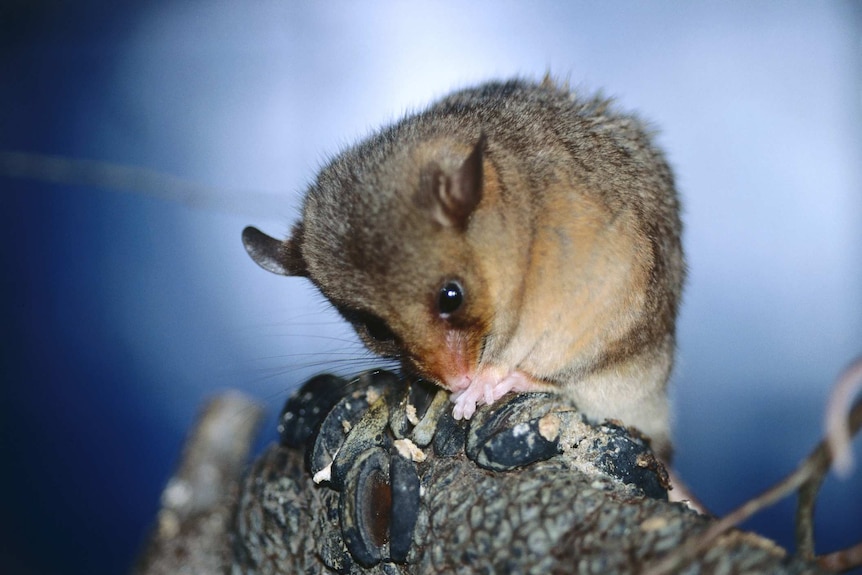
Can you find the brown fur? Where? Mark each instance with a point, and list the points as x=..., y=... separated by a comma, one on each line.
x=557, y=215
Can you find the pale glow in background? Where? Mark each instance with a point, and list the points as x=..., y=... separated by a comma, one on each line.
x=126, y=311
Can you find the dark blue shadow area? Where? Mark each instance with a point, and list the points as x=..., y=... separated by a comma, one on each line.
x=83, y=462
x=82, y=466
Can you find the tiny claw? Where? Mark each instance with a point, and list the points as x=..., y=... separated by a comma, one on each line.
x=465, y=405
x=489, y=394
x=457, y=412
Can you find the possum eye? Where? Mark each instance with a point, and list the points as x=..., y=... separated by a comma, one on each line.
x=450, y=298
x=376, y=328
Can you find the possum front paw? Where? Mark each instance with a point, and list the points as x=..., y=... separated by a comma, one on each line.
x=486, y=387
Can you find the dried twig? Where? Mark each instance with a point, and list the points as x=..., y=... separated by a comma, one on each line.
x=843, y=560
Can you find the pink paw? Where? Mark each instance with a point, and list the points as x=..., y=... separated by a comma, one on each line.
x=485, y=388
x=465, y=402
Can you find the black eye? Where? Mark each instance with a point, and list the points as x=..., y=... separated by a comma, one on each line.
x=450, y=298
x=378, y=329
x=375, y=327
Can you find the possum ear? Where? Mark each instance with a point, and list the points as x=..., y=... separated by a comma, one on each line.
x=274, y=256
x=452, y=198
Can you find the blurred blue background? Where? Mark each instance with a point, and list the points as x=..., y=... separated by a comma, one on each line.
x=121, y=312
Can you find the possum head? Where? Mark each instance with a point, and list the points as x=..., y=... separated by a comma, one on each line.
x=382, y=236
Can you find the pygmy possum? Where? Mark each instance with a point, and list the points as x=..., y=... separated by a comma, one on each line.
x=514, y=236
